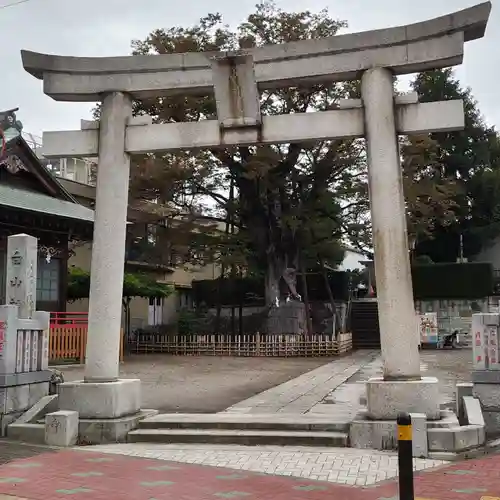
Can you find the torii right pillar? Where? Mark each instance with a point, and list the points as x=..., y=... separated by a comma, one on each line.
x=402, y=388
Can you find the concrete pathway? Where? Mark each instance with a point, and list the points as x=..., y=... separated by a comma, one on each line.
x=78, y=474
x=302, y=393
x=338, y=388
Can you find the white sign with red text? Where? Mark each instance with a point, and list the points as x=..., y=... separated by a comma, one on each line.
x=485, y=332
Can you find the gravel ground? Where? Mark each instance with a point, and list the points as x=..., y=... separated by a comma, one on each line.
x=204, y=384
x=190, y=384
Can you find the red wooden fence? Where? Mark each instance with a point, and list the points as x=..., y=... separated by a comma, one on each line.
x=68, y=337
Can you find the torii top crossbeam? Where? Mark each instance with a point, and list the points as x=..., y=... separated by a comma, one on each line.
x=431, y=44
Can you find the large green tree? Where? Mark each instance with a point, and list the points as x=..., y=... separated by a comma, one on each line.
x=470, y=158
x=290, y=206
x=294, y=202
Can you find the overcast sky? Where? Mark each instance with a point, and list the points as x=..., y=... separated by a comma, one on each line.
x=106, y=27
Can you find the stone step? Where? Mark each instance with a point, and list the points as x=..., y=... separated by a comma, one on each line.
x=247, y=421
x=246, y=437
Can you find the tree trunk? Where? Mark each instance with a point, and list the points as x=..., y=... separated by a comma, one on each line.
x=219, y=299
x=305, y=291
x=233, y=308
x=279, y=319
x=240, y=309
x=338, y=319
x=126, y=308
x=233, y=267
x=229, y=216
x=272, y=285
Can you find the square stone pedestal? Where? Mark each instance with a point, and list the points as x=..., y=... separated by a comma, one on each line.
x=101, y=400
x=107, y=411
x=387, y=398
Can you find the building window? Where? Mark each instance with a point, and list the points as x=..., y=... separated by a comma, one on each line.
x=184, y=299
x=155, y=311
x=47, y=285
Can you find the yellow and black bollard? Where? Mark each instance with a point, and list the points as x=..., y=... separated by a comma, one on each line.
x=405, y=457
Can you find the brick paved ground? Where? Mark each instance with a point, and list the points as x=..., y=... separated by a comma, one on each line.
x=80, y=474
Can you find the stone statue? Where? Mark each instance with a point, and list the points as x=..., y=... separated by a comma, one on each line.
x=10, y=125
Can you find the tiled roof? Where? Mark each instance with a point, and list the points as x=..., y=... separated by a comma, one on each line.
x=37, y=202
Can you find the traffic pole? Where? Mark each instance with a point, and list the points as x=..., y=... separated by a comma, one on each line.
x=405, y=457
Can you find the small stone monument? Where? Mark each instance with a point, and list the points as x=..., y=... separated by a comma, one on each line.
x=24, y=334
x=486, y=373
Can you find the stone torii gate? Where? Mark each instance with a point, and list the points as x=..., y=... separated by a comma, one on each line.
x=236, y=79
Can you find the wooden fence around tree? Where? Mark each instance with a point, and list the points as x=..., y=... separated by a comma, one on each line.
x=68, y=338
x=243, y=345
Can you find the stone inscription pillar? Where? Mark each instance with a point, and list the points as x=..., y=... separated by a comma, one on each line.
x=22, y=273
x=108, y=249
x=390, y=240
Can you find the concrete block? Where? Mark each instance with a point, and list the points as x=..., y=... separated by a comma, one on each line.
x=489, y=395
x=386, y=399
x=18, y=398
x=101, y=400
x=481, y=432
x=37, y=392
x=101, y=431
x=373, y=434
x=473, y=412
x=419, y=435
x=469, y=436
x=448, y=419
x=463, y=389
x=486, y=376
x=61, y=428
x=6, y=419
x=27, y=433
x=456, y=439
x=440, y=439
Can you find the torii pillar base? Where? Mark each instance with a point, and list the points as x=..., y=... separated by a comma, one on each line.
x=387, y=398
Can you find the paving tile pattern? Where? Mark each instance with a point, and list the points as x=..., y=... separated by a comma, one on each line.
x=470, y=480
x=338, y=465
x=72, y=475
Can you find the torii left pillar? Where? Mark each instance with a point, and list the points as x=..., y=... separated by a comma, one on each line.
x=102, y=394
